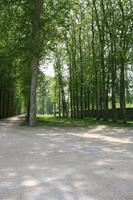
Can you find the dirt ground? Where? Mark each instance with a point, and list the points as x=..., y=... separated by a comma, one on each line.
x=52, y=163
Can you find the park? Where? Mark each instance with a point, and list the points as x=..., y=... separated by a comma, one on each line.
x=66, y=100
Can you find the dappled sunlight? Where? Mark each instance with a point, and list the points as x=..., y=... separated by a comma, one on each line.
x=30, y=182
x=104, y=135
x=98, y=128
x=41, y=134
x=109, y=139
x=103, y=162
x=11, y=121
x=66, y=163
x=124, y=175
x=12, y=198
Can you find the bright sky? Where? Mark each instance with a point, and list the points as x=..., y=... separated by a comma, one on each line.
x=48, y=69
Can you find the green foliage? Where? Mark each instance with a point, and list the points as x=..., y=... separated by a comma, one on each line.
x=91, y=43
x=50, y=120
x=45, y=94
x=95, y=45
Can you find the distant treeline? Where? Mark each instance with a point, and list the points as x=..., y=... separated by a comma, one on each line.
x=94, y=113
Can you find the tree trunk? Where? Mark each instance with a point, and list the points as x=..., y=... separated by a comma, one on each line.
x=81, y=75
x=35, y=58
x=122, y=92
x=95, y=70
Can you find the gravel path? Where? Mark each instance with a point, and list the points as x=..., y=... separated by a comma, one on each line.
x=65, y=163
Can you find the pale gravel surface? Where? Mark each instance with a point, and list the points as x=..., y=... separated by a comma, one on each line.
x=52, y=163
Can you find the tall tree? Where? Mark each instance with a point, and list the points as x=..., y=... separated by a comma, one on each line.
x=36, y=30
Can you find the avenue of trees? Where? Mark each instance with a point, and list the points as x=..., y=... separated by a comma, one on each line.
x=90, y=43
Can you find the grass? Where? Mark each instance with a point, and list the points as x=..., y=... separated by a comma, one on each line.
x=50, y=120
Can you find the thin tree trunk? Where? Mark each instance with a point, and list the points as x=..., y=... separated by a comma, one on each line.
x=122, y=65
x=81, y=75
x=95, y=69
x=122, y=91
x=59, y=102
x=88, y=103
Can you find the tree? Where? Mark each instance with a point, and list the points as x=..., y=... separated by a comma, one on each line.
x=91, y=42
x=35, y=21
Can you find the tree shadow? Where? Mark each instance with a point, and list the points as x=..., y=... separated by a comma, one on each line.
x=66, y=163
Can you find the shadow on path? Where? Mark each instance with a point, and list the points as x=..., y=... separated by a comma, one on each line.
x=52, y=163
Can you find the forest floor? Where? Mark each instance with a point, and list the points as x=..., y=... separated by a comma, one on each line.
x=50, y=120
x=65, y=163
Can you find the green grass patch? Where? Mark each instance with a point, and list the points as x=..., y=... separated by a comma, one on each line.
x=50, y=120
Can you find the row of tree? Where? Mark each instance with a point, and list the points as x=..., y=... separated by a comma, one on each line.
x=97, y=48
x=91, y=44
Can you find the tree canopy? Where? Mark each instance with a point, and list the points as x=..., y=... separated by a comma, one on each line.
x=91, y=46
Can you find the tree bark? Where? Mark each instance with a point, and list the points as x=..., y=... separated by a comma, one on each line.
x=35, y=58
